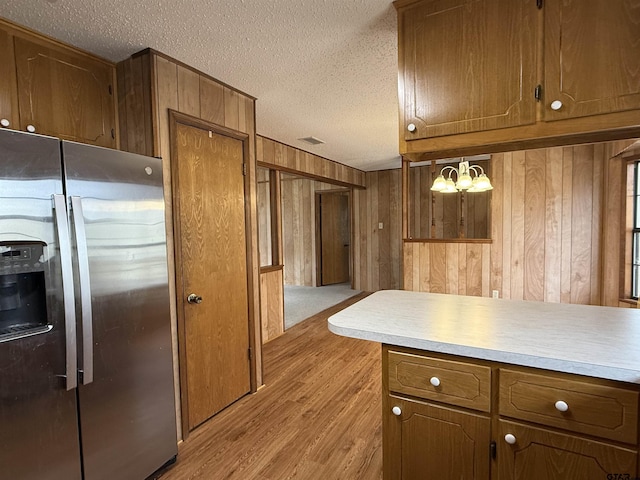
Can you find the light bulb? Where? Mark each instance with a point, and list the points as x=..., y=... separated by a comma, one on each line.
x=439, y=184
x=483, y=183
x=464, y=181
x=451, y=186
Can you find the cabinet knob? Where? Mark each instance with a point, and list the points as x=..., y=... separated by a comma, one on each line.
x=510, y=438
x=5, y=122
x=412, y=127
x=562, y=406
x=556, y=105
x=31, y=129
x=397, y=411
x=435, y=381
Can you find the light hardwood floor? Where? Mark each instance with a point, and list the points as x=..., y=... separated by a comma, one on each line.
x=318, y=417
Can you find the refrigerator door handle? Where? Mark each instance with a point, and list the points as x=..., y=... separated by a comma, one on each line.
x=62, y=227
x=85, y=290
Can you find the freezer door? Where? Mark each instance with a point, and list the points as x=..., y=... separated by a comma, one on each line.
x=38, y=419
x=127, y=407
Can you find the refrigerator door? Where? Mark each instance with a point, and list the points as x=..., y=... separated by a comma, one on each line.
x=127, y=407
x=38, y=416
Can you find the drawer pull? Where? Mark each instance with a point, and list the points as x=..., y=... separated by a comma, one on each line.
x=435, y=381
x=510, y=438
x=396, y=411
x=562, y=406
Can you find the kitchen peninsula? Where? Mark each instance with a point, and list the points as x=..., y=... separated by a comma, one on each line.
x=473, y=386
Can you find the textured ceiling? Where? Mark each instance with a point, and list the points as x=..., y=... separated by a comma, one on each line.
x=322, y=68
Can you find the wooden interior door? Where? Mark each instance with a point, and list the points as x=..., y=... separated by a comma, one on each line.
x=334, y=237
x=209, y=192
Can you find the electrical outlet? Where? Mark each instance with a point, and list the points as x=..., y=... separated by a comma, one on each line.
x=495, y=294
x=380, y=226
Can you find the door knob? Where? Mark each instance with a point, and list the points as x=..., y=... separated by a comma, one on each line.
x=193, y=298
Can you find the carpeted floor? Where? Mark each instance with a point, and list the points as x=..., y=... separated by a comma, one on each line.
x=302, y=302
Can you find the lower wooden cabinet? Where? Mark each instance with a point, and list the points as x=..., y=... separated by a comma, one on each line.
x=534, y=424
x=426, y=441
x=540, y=454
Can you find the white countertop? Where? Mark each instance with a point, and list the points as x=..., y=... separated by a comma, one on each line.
x=601, y=342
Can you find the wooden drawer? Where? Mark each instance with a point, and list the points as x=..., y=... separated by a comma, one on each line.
x=455, y=383
x=592, y=409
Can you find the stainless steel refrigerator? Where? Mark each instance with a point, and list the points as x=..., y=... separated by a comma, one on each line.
x=86, y=376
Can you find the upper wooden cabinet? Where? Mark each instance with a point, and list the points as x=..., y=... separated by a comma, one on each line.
x=8, y=88
x=484, y=76
x=467, y=65
x=592, y=58
x=56, y=90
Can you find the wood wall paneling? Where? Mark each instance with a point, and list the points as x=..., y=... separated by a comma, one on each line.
x=134, y=105
x=264, y=217
x=534, y=227
x=550, y=225
x=292, y=160
x=154, y=85
x=299, y=228
x=378, y=252
x=613, y=221
x=272, y=303
x=555, y=236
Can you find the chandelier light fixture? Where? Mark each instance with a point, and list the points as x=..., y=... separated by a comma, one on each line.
x=469, y=178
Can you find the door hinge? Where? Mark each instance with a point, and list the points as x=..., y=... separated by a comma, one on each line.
x=110, y=90
x=493, y=450
x=539, y=4
x=537, y=93
x=244, y=169
x=250, y=353
x=113, y=133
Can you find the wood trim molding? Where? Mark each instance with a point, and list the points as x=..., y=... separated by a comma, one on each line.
x=271, y=268
x=448, y=240
x=277, y=255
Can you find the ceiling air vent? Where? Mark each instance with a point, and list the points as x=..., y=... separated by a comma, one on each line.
x=312, y=140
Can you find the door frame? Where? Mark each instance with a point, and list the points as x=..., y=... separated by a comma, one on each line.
x=318, y=232
x=176, y=118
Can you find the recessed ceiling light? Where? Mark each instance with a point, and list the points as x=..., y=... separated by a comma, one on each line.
x=312, y=140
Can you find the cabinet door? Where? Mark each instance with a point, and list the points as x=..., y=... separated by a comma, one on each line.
x=65, y=94
x=8, y=96
x=431, y=442
x=539, y=454
x=467, y=65
x=592, y=57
